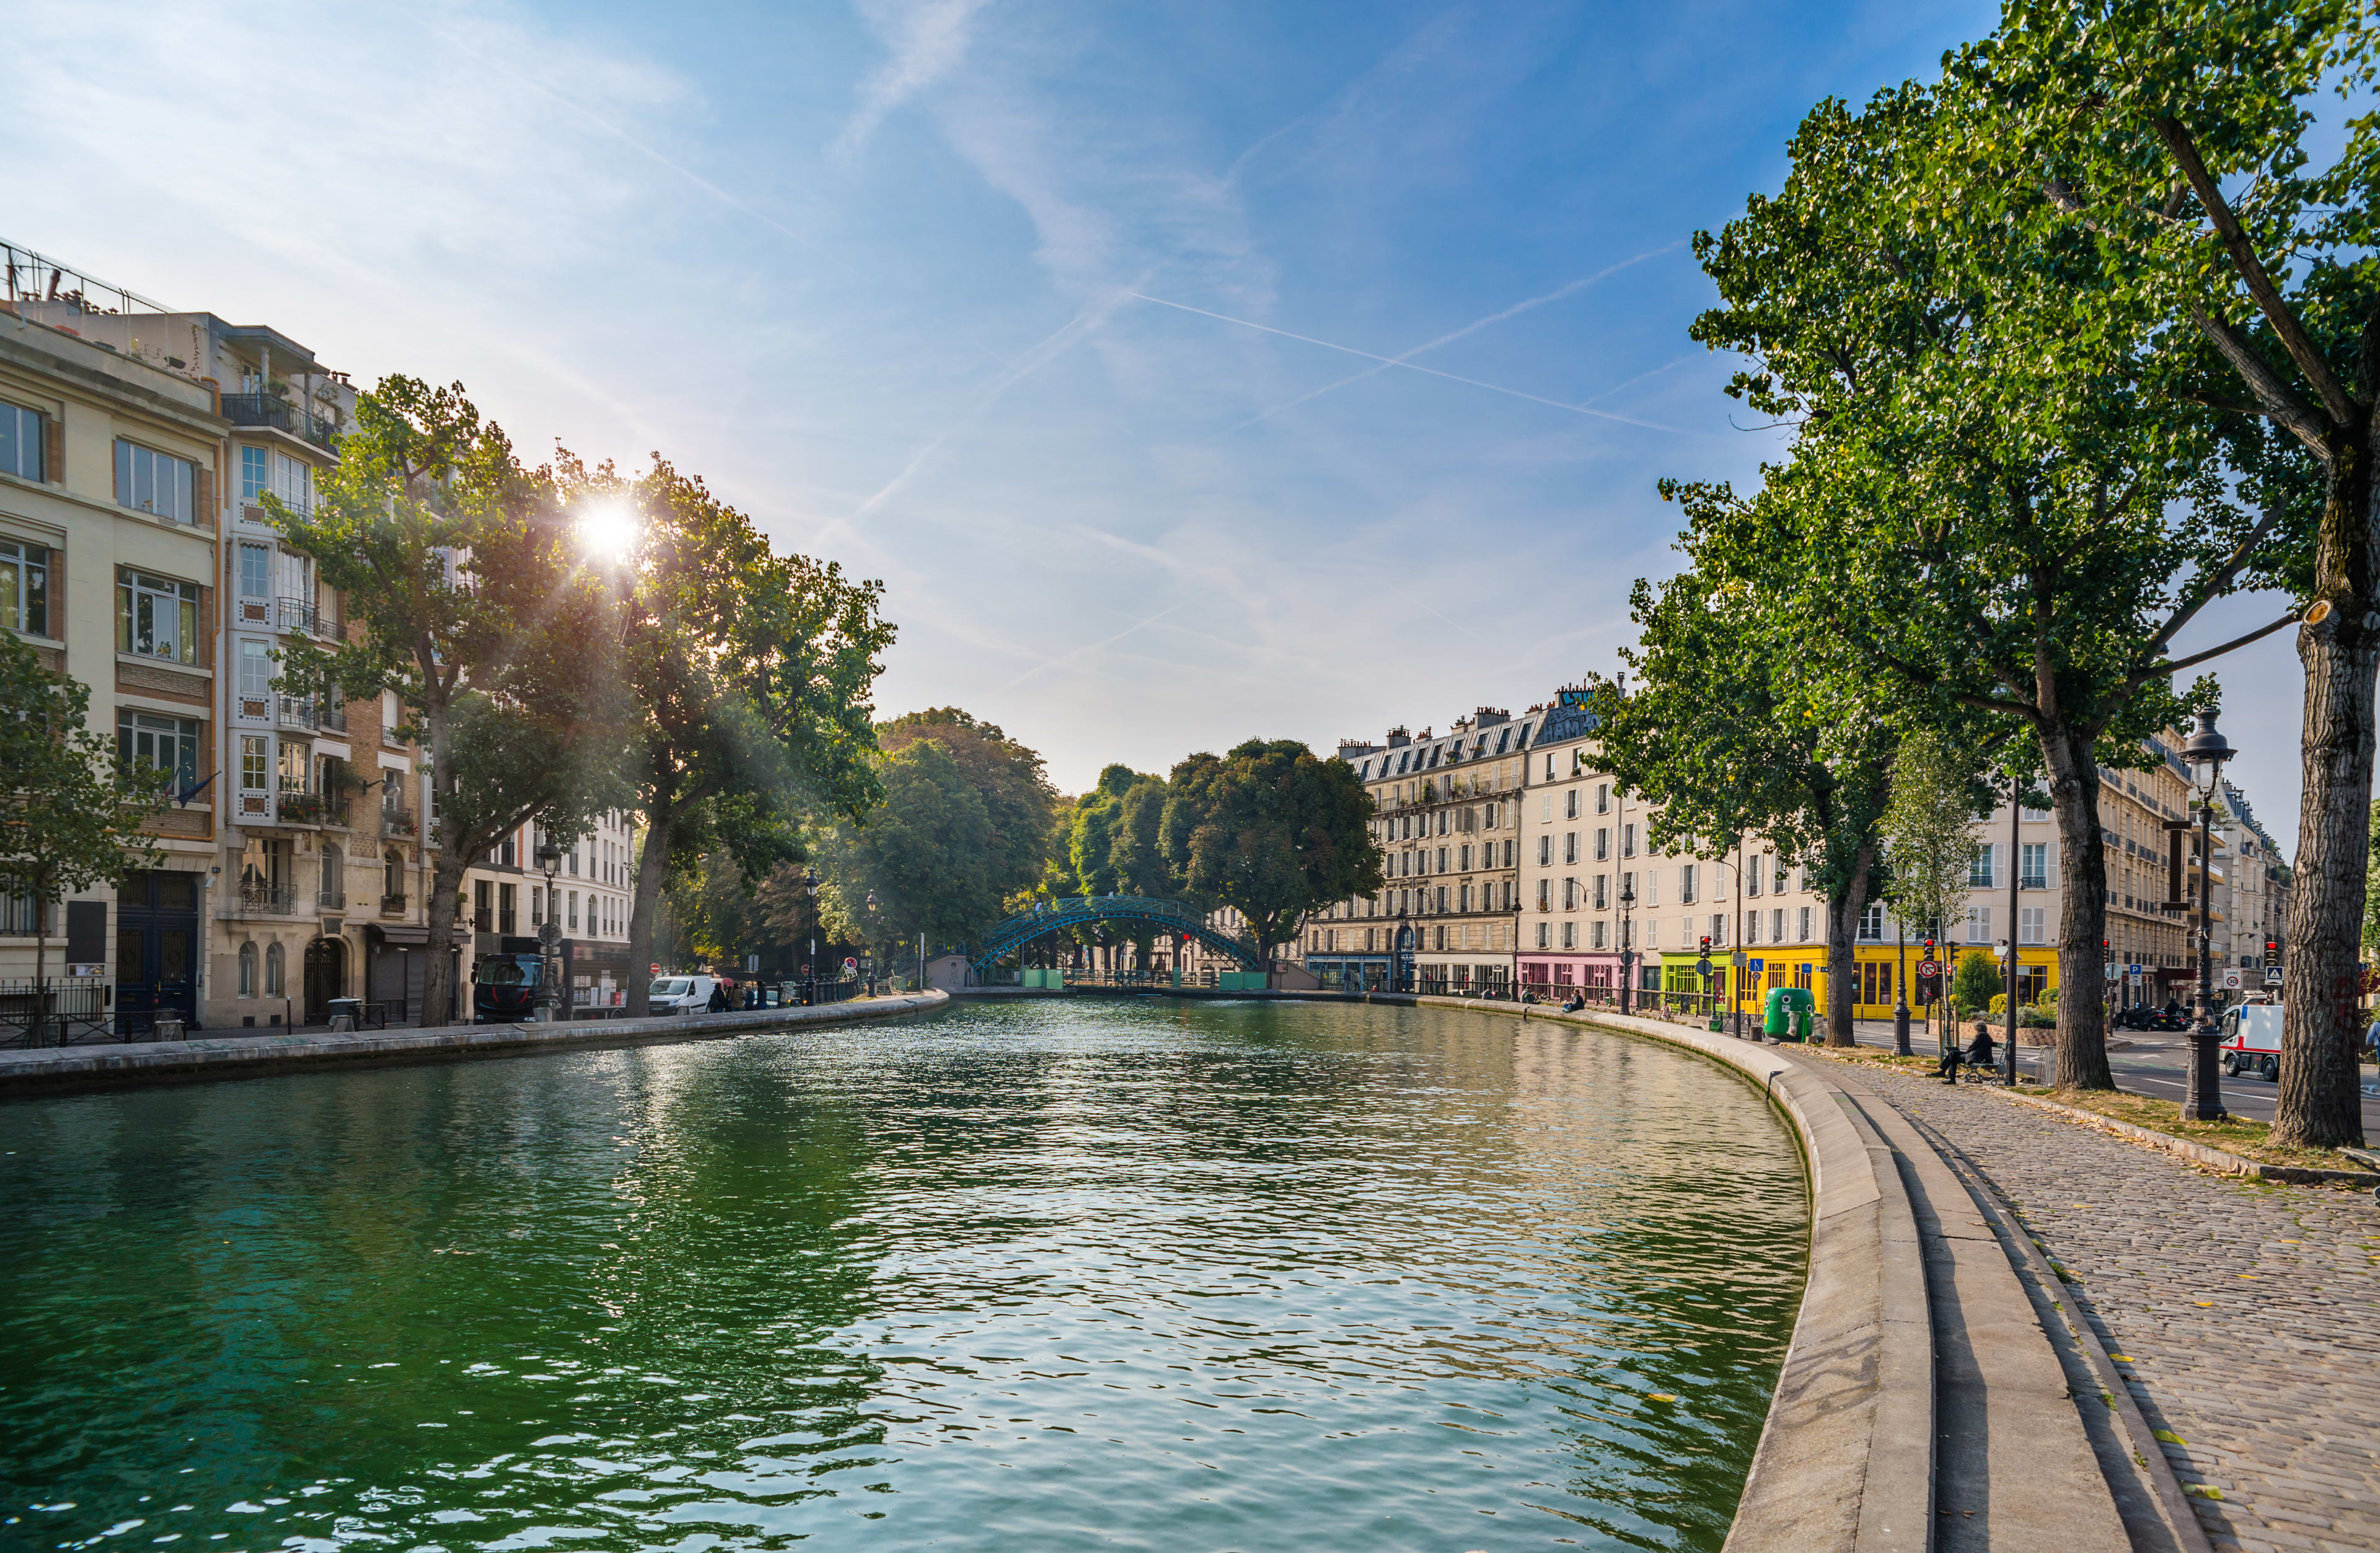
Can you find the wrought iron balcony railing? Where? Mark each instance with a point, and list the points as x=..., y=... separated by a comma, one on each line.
x=330, y=900
x=282, y=415
x=392, y=906
x=279, y=899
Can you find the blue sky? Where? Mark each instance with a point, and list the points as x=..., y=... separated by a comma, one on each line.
x=1068, y=321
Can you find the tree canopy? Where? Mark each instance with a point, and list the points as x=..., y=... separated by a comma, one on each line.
x=1272, y=831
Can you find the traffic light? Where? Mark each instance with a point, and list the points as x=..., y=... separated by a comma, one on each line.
x=2272, y=953
x=1705, y=943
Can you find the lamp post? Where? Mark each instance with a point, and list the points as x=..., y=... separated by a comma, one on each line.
x=2205, y=753
x=811, y=887
x=1627, y=941
x=549, y=938
x=871, y=943
x=1900, y=991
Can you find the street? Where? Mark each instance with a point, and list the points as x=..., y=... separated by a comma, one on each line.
x=2147, y=1062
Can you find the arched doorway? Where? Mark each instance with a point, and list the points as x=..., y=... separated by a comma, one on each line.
x=326, y=977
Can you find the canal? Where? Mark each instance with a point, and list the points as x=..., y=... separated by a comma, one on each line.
x=1060, y=1275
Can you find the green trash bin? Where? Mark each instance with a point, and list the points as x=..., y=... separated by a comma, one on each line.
x=1791, y=1014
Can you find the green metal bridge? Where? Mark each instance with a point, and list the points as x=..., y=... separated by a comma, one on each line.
x=1080, y=911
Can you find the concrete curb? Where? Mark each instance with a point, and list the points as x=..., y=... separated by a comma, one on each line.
x=2205, y=1154
x=1839, y=1465
x=51, y=1071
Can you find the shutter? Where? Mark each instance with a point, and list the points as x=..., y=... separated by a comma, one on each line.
x=86, y=932
x=202, y=497
x=54, y=450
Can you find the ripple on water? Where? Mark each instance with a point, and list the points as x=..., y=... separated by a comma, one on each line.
x=1066, y=1274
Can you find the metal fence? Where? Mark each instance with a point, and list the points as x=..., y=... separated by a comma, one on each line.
x=69, y=1012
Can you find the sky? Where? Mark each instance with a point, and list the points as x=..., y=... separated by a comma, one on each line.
x=1188, y=372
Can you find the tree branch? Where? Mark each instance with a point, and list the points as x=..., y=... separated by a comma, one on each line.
x=2214, y=582
x=2177, y=665
x=2267, y=296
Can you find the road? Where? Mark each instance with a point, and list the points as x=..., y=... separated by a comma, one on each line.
x=2149, y=1062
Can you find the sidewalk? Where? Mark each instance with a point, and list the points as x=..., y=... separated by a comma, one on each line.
x=2244, y=1317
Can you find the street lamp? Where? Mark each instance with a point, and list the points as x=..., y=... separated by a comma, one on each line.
x=810, y=884
x=871, y=943
x=549, y=938
x=2205, y=753
x=1901, y=989
x=1627, y=941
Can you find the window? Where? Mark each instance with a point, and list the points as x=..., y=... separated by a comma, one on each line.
x=1628, y=841
x=1686, y=884
x=293, y=481
x=1602, y=933
x=483, y=907
x=255, y=474
x=1602, y=843
x=1776, y=926
x=2033, y=866
x=391, y=875
x=248, y=970
x=1980, y=875
x=1570, y=847
x=1549, y=768
x=1570, y=803
x=22, y=441
x=272, y=960
x=255, y=762
x=1801, y=926
x=574, y=911
x=25, y=587
x=1752, y=876
x=334, y=879
x=1871, y=923
x=2030, y=924
x=1602, y=897
x=1508, y=854
x=1979, y=925
x=1545, y=895
x=156, y=617
x=1569, y=935
x=149, y=482
x=255, y=571
x=255, y=669
x=507, y=905
x=1719, y=929
x=1570, y=894
x=1652, y=887
x=1545, y=852
x=1603, y=797
x=146, y=742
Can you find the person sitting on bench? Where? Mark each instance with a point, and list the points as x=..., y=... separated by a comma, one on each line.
x=1978, y=1055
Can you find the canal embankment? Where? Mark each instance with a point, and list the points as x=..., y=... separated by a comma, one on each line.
x=60, y=1070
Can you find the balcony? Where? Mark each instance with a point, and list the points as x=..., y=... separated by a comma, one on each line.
x=300, y=615
x=297, y=807
x=330, y=900
x=395, y=822
x=392, y=906
x=280, y=414
x=280, y=900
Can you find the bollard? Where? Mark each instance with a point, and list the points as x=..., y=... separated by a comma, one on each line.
x=343, y=1024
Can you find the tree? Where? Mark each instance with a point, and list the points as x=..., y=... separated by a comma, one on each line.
x=1009, y=777
x=1272, y=831
x=929, y=851
x=1733, y=731
x=2178, y=138
x=1976, y=983
x=466, y=597
x=71, y=811
x=1928, y=829
x=751, y=674
x=1986, y=505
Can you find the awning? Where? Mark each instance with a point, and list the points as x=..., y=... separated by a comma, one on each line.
x=400, y=933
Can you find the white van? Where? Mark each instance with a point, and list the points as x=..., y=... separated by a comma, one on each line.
x=681, y=994
x=2251, y=1041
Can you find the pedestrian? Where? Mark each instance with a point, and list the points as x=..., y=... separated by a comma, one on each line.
x=718, y=997
x=1978, y=1054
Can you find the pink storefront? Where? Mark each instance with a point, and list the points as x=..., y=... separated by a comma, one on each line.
x=1562, y=971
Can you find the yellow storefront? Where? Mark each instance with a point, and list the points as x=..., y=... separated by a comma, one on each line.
x=1878, y=968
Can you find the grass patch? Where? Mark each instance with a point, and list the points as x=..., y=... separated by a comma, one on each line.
x=2236, y=1134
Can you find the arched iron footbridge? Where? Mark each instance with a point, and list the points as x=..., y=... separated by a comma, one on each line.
x=1081, y=911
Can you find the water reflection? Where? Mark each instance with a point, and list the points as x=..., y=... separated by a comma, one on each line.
x=1068, y=1273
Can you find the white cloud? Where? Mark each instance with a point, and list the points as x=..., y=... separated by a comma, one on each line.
x=927, y=39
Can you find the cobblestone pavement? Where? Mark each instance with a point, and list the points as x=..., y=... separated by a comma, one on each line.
x=2246, y=1315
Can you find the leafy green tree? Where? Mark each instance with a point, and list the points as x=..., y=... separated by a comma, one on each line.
x=468, y=597
x=1735, y=731
x=1985, y=507
x=1272, y=831
x=750, y=673
x=929, y=853
x=1976, y=983
x=2177, y=141
x=71, y=811
x=1010, y=778
x=1928, y=827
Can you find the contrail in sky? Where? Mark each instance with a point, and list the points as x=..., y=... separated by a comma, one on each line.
x=1088, y=647
x=1408, y=366
x=1404, y=357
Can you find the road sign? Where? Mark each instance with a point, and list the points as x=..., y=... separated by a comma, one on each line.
x=2273, y=976
x=2114, y=970
x=1753, y=965
x=1704, y=965
x=1929, y=968
x=2232, y=981
x=1737, y=959
x=2133, y=970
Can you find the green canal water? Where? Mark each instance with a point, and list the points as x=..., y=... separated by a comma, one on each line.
x=1056, y=1275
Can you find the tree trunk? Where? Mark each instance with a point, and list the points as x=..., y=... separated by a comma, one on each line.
x=438, y=981
x=2071, y=756
x=652, y=867
x=40, y=1031
x=2320, y=1103
x=1843, y=959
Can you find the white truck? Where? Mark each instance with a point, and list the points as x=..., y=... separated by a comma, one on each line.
x=680, y=994
x=2251, y=1041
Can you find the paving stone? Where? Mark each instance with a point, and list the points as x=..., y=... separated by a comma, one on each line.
x=2248, y=1312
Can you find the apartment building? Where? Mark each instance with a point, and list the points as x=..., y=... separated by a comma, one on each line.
x=506, y=895
x=1448, y=823
x=110, y=567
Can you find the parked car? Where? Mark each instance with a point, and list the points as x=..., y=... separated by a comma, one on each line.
x=680, y=994
x=2251, y=1041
